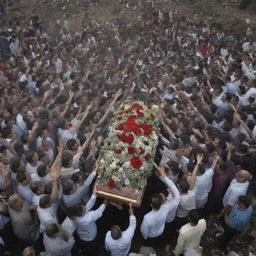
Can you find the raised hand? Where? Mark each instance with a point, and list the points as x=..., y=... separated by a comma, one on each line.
x=131, y=212
x=199, y=158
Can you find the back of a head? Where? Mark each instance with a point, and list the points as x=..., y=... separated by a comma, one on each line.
x=116, y=232
x=29, y=251
x=66, y=159
x=193, y=217
x=44, y=201
x=245, y=201
x=52, y=230
x=42, y=170
x=184, y=186
x=156, y=202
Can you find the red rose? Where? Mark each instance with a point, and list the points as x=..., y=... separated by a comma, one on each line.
x=131, y=150
x=142, y=150
x=119, y=118
x=137, y=107
x=147, y=129
x=140, y=114
x=120, y=113
x=148, y=156
x=111, y=183
x=152, y=117
x=136, y=162
x=118, y=151
x=120, y=127
x=131, y=118
x=126, y=138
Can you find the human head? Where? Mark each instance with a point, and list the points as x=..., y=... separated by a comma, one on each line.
x=52, y=230
x=45, y=202
x=37, y=187
x=242, y=176
x=69, y=187
x=15, y=202
x=244, y=202
x=42, y=170
x=66, y=160
x=193, y=217
x=183, y=186
x=29, y=251
x=23, y=178
x=156, y=202
x=116, y=232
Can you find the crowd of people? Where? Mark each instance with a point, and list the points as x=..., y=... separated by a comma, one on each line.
x=57, y=95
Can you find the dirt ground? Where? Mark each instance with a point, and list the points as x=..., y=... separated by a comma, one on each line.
x=80, y=12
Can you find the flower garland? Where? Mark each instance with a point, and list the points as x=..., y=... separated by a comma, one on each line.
x=127, y=153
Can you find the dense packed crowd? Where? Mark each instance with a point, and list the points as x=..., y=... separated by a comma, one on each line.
x=57, y=95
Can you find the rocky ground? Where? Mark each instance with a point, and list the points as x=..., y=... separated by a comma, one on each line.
x=77, y=13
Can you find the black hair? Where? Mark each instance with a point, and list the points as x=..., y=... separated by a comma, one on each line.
x=193, y=217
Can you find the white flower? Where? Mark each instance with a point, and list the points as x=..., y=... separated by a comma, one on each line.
x=113, y=165
x=155, y=107
x=126, y=165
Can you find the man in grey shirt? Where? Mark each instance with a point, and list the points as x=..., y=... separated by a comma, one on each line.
x=56, y=243
x=24, y=225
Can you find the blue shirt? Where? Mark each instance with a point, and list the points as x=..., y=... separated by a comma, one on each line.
x=237, y=219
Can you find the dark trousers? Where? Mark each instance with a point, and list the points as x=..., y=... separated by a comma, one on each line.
x=228, y=234
x=89, y=248
x=155, y=242
x=169, y=232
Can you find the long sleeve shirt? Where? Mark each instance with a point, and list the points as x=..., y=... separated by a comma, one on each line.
x=86, y=224
x=203, y=184
x=58, y=246
x=154, y=222
x=189, y=237
x=173, y=197
x=76, y=197
x=121, y=246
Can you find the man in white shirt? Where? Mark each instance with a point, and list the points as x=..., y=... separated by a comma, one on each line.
x=238, y=187
x=32, y=162
x=55, y=242
x=190, y=235
x=23, y=187
x=187, y=195
x=203, y=184
x=72, y=194
x=85, y=221
x=153, y=223
x=118, y=242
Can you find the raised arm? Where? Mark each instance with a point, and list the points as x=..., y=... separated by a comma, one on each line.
x=192, y=179
x=169, y=183
x=119, y=93
x=67, y=104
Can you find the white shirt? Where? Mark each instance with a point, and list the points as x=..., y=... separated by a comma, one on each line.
x=154, y=222
x=25, y=192
x=203, y=184
x=21, y=124
x=76, y=197
x=174, y=197
x=58, y=246
x=32, y=169
x=121, y=246
x=189, y=237
x=47, y=216
x=234, y=190
x=68, y=227
x=187, y=203
x=86, y=224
